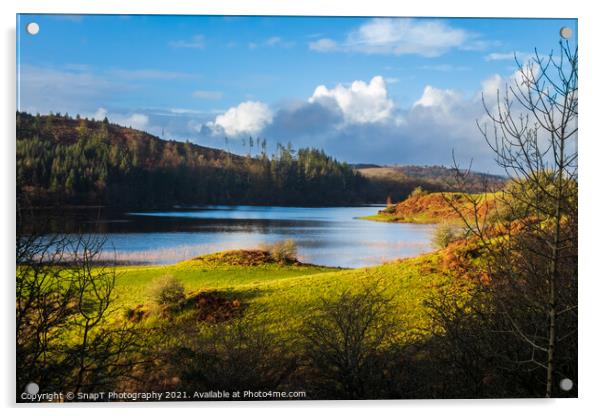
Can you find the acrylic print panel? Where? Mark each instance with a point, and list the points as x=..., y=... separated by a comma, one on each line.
x=295, y=208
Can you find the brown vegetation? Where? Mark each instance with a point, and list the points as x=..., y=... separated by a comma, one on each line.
x=435, y=207
x=245, y=258
x=212, y=308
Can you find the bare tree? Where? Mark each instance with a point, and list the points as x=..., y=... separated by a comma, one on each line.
x=347, y=341
x=63, y=301
x=530, y=237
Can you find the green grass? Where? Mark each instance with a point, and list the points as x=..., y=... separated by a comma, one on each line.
x=415, y=219
x=132, y=282
x=282, y=296
x=378, y=217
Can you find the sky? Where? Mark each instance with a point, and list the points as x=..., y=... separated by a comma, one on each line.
x=366, y=90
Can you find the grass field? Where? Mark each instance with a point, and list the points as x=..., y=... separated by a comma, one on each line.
x=282, y=295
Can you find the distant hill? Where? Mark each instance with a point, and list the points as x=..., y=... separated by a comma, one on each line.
x=397, y=182
x=63, y=160
x=433, y=178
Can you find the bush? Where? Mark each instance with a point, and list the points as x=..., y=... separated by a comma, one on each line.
x=167, y=290
x=241, y=354
x=346, y=343
x=418, y=192
x=444, y=234
x=283, y=251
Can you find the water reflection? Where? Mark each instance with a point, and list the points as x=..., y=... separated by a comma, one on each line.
x=328, y=236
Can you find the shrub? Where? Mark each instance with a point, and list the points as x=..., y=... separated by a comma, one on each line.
x=167, y=290
x=283, y=251
x=346, y=343
x=418, y=192
x=444, y=234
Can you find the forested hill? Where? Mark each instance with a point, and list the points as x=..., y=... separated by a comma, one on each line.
x=431, y=177
x=75, y=161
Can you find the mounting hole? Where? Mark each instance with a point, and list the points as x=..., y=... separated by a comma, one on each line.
x=32, y=28
x=566, y=32
x=32, y=388
x=566, y=384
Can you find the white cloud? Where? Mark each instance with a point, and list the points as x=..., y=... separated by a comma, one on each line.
x=516, y=81
x=249, y=117
x=451, y=114
x=508, y=56
x=490, y=88
x=208, y=95
x=274, y=40
x=400, y=36
x=100, y=114
x=435, y=97
x=196, y=42
x=323, y=45
x=359, y=103
x=135, y=120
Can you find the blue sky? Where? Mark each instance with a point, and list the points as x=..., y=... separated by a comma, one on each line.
x=366, y=90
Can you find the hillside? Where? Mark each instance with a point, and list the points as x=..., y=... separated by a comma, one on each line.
x=399, y=181
x=64, y=161
x=75, y=161
x=429, y=208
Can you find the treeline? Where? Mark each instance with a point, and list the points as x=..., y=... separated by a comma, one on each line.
x=63, y=160
x=398, y=182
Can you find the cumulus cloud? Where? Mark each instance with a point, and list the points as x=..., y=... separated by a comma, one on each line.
x=361, y=124
x=135, y=120
x=249, y=117
x=490, y=88
x=304, y=120
x=517, y=82
x=401, y=36
x=100, y=114
x=356, y=122
x=360, y=103
x=438, y=98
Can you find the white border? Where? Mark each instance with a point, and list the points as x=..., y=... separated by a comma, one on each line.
x=589, y=189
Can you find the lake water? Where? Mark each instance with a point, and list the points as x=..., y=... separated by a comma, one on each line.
x=326, y=236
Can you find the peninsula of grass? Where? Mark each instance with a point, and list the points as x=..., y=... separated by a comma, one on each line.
x=433, y=208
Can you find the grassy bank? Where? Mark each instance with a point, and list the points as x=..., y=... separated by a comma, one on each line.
x=433, y=208
x=282, y=295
